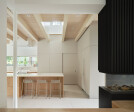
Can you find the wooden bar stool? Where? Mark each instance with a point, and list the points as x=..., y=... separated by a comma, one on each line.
x=55, y=82
x=26, y=81
x=38, y=87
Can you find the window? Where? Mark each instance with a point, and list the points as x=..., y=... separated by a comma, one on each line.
x=9, y=61
x=55, y=27
x=34, y=61
x=23, y=61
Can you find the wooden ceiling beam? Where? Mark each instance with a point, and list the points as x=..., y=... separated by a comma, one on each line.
x=10, y=31
x=24, y=26
x=20, y=34
x=10, y=37
x=64, y=27
x=27, y=29
x=38, y=19
x=86, y=24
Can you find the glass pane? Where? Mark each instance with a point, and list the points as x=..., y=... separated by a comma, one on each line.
x=23, y=61
x=9, y=61
x=34, y=61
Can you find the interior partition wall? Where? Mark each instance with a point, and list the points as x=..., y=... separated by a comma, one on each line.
x=3, y=33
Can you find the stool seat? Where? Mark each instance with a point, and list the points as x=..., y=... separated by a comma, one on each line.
x=41, y=81
x=55, y=81
x=27, y=81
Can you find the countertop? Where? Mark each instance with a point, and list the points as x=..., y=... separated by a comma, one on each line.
x=37, y=75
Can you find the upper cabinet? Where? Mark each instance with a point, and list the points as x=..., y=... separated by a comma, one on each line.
x=116, y=37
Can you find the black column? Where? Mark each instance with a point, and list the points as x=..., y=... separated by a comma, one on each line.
x=116, y=37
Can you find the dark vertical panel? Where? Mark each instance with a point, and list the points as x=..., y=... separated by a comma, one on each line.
x=116, y=43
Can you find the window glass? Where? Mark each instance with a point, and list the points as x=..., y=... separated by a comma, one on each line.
x=9, y=61
x=23, y=61
x=34, y=61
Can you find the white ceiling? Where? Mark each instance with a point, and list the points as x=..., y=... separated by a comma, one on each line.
x=56, y=6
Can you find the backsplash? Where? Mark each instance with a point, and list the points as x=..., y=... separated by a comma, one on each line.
x=119, y=79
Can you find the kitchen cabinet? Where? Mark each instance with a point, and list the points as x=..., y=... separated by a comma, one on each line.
x=70, y=68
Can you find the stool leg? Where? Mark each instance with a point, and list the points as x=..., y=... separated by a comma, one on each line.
x=22, y=91
x=50, y=91
x=26, y=88
x=60, y=90
x=32, y=91
x=36, y=88
x=46, y=90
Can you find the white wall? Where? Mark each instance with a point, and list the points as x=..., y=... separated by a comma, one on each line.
x=22, y=51
x=3, y=33
x=89, y=77
x=52, y=57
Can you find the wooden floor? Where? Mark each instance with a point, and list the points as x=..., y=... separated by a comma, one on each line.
x=64, y=110
x=122, y=106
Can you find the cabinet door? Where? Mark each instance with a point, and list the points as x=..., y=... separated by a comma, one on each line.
x=85, y=70
x=69, y=68
x=43, y=63
x=56, y=63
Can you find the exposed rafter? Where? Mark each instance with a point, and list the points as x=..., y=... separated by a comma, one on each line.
x=39, y=20
x=10, y=37
x=10, y=31
x=64, y=27
x=22, y=35
x=87, y=22
x=25, y=27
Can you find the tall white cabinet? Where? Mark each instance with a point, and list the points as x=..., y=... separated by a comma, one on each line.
x=70, y=68
x=56, y=56
x=89, y=77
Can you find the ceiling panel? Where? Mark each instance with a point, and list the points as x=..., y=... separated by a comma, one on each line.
x=52, y=17
x=75, y=22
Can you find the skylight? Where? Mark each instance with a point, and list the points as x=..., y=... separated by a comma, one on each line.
x=53, y=27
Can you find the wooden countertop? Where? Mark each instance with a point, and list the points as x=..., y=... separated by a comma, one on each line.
x=129, y=105
x=37, y=75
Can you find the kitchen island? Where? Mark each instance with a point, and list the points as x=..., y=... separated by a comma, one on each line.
x=35, y=76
